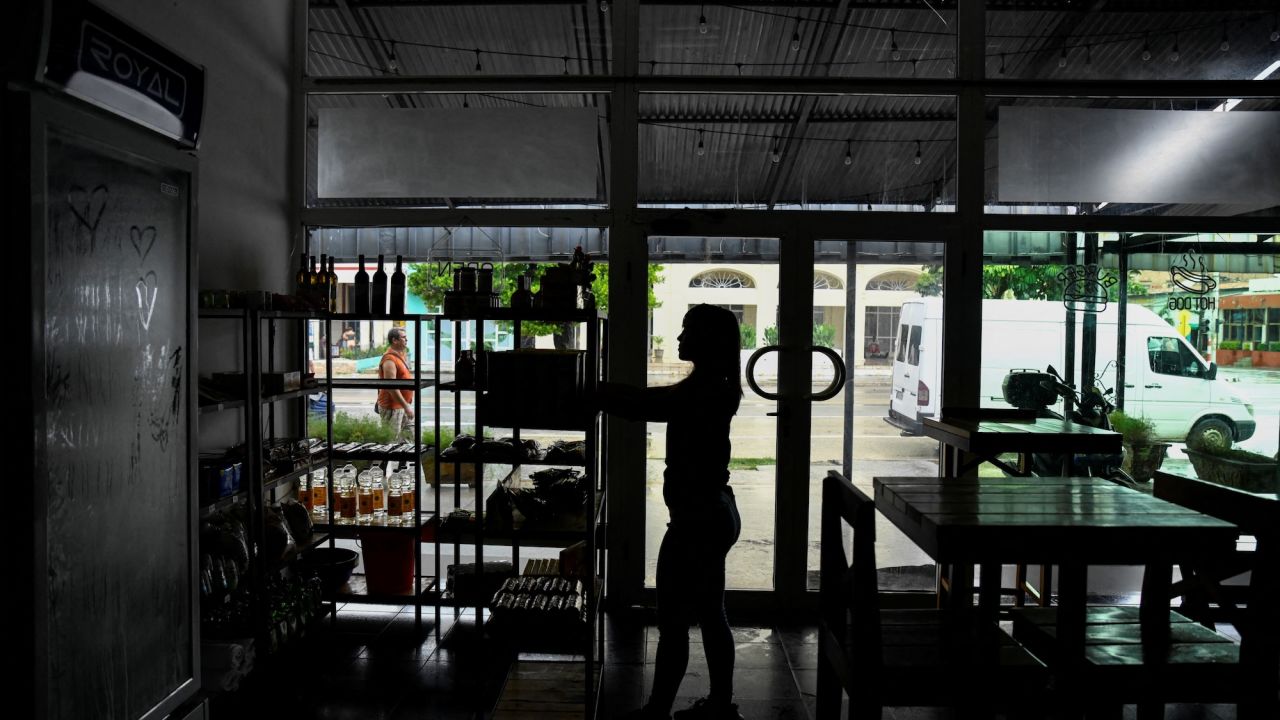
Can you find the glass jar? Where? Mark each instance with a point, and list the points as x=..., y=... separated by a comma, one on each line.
x=364, y=498
x=379, y=495
x=345, y=490
x=394, y=505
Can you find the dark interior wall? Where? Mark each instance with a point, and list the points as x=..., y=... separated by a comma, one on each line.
x=244, y=240
x=244, y=45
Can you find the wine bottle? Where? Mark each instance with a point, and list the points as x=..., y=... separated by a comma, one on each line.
x=313, y=282
x=331, y=300
x=397, y=289
x=378, y=298
x=362, y=290
x=300, y=279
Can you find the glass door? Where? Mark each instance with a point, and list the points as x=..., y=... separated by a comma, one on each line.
x=741, y=275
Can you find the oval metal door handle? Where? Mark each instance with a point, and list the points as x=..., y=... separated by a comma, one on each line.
x=751, y=372
x=837, y=382
x=1152, y=386
x=831, y=390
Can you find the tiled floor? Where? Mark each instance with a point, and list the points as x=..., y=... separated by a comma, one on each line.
x=372, y=664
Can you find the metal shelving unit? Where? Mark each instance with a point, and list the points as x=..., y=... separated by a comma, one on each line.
x=255, y=482
x=561, y=533
x=424, y=591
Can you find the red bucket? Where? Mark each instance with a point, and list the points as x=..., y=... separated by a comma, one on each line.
x=388, y=562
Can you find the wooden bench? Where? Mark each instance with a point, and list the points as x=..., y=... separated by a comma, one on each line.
x=903, y=657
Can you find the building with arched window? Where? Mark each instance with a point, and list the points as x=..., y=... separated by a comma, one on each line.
x=751, y=293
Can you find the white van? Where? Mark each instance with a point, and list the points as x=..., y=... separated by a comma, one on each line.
x=1165, y=379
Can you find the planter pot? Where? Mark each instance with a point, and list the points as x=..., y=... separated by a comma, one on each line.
x=1142, y=461
x=1260, y=476
x=1226, y=358
x=657, y=354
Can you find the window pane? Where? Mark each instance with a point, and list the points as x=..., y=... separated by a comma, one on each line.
x=818, y=152
x=1124, y=156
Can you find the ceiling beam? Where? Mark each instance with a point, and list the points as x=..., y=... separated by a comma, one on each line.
x=1161, y=6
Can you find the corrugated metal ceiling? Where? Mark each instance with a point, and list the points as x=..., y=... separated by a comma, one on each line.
x=1026, y=39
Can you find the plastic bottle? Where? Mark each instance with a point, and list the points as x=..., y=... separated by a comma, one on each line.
x=346, y=492
x=319, y=495
x=378, y=485
x=394, y=504
x=364, y=498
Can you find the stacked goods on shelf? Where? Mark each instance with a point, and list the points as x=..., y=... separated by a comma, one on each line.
x=469, y=588
x=220, y=476
x=536, y=601
x=535, y=389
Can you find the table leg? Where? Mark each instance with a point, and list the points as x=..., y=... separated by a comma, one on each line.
x=989, y=589
x=1072, y=581
x=960, y=580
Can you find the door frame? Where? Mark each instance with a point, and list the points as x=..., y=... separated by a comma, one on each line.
x=794, y=405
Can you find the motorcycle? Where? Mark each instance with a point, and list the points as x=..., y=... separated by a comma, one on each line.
x=1037, y=391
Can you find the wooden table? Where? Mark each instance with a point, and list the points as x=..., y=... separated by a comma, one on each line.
x=988, y=434
x=1069, y=522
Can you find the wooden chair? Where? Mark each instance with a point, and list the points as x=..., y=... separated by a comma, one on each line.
x=903, y=657
x=1190, y=663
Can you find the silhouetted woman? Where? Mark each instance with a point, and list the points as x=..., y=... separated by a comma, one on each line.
x=704, y=516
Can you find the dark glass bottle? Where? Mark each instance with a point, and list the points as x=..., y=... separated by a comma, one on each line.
x=397, y=289
x=332, y=281
x=313, y=282
x=362, y=290
x=378, y=298
x=300, y=279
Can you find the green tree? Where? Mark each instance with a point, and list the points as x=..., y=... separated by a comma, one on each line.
x=1019, y=282
x=771, y=335
x=430, y=281
x=747, y=333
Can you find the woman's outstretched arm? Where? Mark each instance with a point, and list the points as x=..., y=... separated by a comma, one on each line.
x=652, y=404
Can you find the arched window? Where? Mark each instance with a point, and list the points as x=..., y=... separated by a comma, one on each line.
x=826, y=281
x=893, y=281
x=721, y=279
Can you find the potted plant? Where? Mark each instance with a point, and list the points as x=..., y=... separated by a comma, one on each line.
x=657, y=348
x=1237, y=468
x=1142, y=454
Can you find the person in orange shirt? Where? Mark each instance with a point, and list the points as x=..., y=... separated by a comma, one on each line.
x=395, y=406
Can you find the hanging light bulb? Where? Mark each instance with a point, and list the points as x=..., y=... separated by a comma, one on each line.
x=702, y=149
x=848, y=153
x=894, y=52
x=1146, y=49
x=465, y=104
x=604, y=6
x=776, y=155
x=1275, y=28
x=917, y=160
x=1062, y=58
x=1001, y=70
x=479, y=67
x=1175, y=54
x=565, y=60
x=1088, y=54
x=1225, y=45
x=795, y=40
x=702, y=22
x=392, y=65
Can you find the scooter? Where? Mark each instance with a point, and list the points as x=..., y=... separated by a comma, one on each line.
x=1035, y=390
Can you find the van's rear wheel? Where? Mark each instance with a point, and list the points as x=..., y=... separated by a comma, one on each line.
x=1210, y=434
